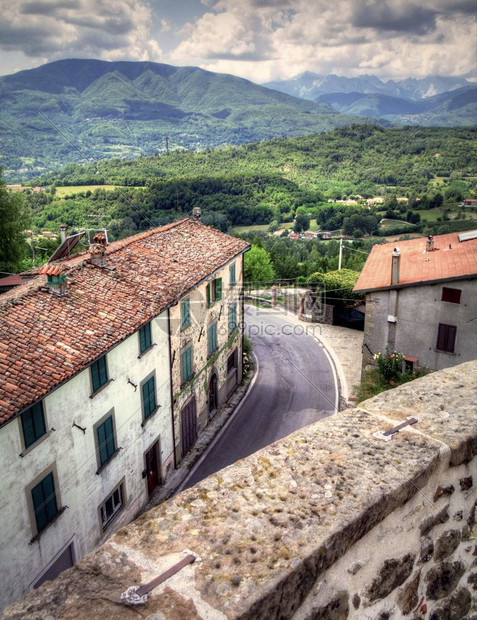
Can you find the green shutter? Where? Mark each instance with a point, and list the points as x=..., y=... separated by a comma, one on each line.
x=149, y=397
x=106, y=442
x=33, y=424
x=232, y=274
x=44, y=501
x=186, y=364
x=232, y=318
x=208, y=295
x=145, y=340
x=185, y=314
x=218, y=289
x=99, y=373
x=212, y=338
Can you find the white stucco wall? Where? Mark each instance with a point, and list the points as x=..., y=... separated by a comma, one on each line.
x=73, y=453
x=418, y=311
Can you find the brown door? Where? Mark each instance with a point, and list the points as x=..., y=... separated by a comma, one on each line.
x=212, y=394
x=188, y=426
x=152, y=468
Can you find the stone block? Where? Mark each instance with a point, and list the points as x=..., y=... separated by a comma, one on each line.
x=442, y=579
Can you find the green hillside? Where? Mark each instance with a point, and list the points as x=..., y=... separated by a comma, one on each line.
x=84, y=110
x=273, y=181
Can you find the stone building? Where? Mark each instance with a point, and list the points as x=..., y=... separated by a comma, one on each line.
x=421, y=300
x=89, y=387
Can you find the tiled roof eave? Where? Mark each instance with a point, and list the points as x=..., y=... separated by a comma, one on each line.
x=401, y=285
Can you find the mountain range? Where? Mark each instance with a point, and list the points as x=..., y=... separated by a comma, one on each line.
x=82, y=110
x=310, y=85
x=434, y=100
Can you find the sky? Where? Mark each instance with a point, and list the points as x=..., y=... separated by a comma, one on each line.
x=260, y=40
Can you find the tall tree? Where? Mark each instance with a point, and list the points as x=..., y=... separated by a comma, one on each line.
x=258, y=267
x=13, y=221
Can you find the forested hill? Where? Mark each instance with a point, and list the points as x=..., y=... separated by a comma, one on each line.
x=84, y=110
x=264, y=182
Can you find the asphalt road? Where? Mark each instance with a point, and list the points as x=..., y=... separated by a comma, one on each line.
x=294, y=387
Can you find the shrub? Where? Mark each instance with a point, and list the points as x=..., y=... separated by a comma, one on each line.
x=390, y=365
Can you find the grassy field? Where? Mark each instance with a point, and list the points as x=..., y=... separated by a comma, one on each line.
x=264, y=227
x=76, y=189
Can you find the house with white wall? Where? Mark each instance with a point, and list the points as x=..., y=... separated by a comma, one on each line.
x=421, y=300
x=89, y=361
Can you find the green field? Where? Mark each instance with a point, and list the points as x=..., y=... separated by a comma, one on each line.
x=66, y=190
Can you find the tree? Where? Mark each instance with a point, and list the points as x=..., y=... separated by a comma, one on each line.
x=302, y=222
x=13, y=221
x=258, y=267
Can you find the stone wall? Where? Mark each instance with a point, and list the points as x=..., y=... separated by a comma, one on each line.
x=330, y=522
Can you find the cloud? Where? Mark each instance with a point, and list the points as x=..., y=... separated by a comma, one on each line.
x=106, y=29
x=264, y=40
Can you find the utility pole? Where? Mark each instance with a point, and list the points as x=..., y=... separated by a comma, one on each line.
x=341, y=253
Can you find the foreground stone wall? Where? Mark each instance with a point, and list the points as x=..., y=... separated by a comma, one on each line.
x=330, y=522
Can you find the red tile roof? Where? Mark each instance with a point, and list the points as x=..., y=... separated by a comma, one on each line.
x=45, y=339
x=450, y=260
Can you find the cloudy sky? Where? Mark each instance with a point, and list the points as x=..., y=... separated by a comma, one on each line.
x=260, y=40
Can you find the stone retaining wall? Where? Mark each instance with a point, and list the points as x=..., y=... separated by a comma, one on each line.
x=330, y=522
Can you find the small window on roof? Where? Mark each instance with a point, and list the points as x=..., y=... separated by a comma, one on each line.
x=451, y=294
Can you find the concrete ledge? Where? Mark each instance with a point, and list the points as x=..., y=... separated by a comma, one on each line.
x=269, y=528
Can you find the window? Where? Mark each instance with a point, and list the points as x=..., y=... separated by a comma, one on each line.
x=232, y=317
x=99, y=373
x=45, y=506
x=33, y=424
x=149, y=397
x=212, y=338
x=112, y=506
x=185, y=313
x=451, y=294
x=186, y=364
x=214, y=291
x=233, y=281
x=232, y=361
x=106, y=440
x=446, y=338
x=145, y=338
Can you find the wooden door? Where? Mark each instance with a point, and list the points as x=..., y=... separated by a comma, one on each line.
x=152, y=467
x=188, y=426
x=212, y=394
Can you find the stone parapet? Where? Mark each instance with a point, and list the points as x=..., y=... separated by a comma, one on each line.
x=330, y=522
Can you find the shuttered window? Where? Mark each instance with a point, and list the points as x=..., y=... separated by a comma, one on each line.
x=186, y=364
x=44, y=502
x=232, y=317
x=233, y=281
x=446, y=337
x=212, y=338
x=112, y=506
x=106, y=440
x=214, y=291
x=99, y=373
x=33, y=424
x=145, y=338
x=451, y=294
x=185, y=313
x=149, y=397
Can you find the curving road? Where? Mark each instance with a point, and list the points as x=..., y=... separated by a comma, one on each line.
x=295, y=386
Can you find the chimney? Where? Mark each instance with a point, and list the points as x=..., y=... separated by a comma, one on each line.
x=97, y=250
x=395, y=266
x=197, y=214
x=55, y=279
x=430, y=243
x=63, y=233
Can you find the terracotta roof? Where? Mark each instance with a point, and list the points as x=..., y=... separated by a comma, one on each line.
x=450, y=260
x=45, y=339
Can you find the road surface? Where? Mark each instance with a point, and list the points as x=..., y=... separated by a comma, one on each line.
x=294, y=387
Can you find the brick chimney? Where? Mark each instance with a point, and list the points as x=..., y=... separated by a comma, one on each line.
x=97, y=250
x=197, y=214
x=395, y=266
x=430, y=243
x=63, y=233
x=55, y=279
